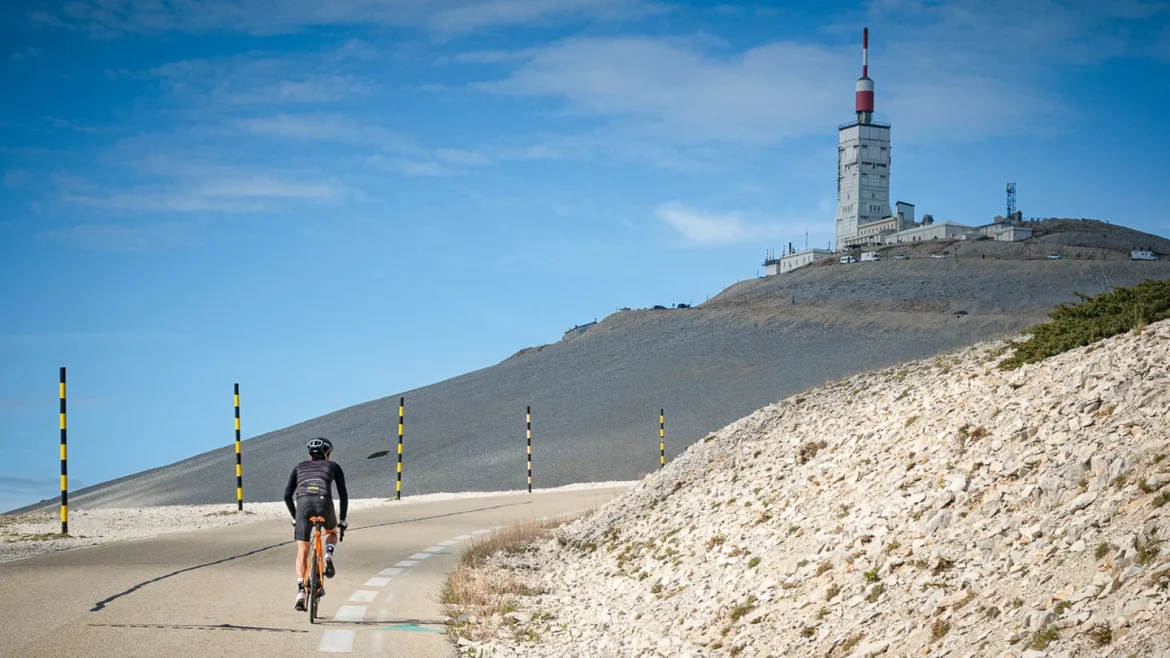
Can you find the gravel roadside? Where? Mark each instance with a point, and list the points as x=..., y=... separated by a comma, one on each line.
x=34, y=533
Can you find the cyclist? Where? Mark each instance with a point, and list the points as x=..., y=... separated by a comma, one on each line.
x=311, y=484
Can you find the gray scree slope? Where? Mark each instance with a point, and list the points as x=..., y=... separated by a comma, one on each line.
x=595, y=397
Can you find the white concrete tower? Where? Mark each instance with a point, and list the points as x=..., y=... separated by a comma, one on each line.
x=863, y=162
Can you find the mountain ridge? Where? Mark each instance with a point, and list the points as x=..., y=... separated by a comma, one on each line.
x=595, y=396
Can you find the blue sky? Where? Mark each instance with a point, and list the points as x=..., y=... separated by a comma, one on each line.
x=329, y=202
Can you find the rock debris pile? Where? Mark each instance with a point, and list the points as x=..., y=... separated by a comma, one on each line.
x=943, y=507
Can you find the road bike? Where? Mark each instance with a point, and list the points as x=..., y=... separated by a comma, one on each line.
x=316, y=570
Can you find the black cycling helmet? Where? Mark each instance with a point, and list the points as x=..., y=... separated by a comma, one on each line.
x=320, y=446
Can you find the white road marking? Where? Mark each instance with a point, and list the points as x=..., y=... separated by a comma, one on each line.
x=377, y=582
x=435, y=549
x=364, y=596
x=390, y=571
x=336, y=641
x=420, y=556
x=351, y=613
x=448, y=542
x=463, y=538
x=406, y=563
x=378, y=636
x=480, y=532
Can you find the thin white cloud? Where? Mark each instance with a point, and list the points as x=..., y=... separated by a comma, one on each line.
x=675, y=89
x=124, y=238
x=14, y=178
x=25, y=53
x=270, y=187
x=953, y=71
x=490, y=56
x=75, y=126
x=612, y=144
x=328, y=127
x=110, y=18
x=412, y=168
x=354, y=49
x=704, y=228
x=477, y=15
x=462, y=157
x=257, y=79
x=195, y=187
x=409, y=158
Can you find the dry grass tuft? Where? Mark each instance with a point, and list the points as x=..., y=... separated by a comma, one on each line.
x=475, y=589
x=512, y=539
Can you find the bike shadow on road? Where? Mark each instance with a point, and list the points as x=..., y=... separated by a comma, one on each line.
x=100, y=605
x=394, y=621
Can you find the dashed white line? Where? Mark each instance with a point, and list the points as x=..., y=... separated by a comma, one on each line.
x=391, y=571
x=420, y=556
x=435, y=549
x=406, y=563
x=377, y=641
x=377, y=582
x=336, y=641
x=448, y=542
x=364, y=596
x=351, y=613
x=463, y=538
x=480, y=532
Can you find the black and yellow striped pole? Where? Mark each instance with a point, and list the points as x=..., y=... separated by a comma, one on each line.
x=662, y=438
x=401, y=420
x=239, y=457
x=528, y=415
x=64, y=465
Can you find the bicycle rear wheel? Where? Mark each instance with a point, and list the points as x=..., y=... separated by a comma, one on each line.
x=313, y=584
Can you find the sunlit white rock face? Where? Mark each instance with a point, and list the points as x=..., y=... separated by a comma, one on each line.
x=944, y=507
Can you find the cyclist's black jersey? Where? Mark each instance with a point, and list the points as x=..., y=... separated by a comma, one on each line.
x=315, y=477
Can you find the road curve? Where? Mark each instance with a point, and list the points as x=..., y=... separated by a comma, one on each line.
x=230, y=591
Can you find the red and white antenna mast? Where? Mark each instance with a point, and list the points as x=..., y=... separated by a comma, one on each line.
x=864, y=96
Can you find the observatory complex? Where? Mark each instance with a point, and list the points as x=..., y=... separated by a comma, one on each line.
x=864, y=215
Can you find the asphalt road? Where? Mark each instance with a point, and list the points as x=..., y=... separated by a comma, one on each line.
x=230, y=591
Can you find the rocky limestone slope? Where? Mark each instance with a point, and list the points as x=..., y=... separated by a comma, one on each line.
x=943, y=507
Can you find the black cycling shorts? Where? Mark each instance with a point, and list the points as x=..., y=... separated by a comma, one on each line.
x=308, y=506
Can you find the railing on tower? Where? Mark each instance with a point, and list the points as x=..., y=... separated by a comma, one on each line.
x=880, y=124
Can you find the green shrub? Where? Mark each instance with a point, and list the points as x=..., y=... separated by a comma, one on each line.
x=742, y=609
x=1101, y=635
x=1094, y=319
x=1042, y=639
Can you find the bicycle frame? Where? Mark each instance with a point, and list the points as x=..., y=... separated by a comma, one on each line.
x=316, y=570
x=316, y=567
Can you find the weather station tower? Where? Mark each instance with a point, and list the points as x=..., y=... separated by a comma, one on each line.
x=863, y=162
